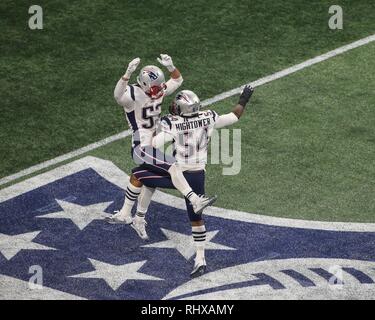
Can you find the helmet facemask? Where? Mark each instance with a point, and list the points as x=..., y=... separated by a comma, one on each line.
x=174, y=109
x=156, y=92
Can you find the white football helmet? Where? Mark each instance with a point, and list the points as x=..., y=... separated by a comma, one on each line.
x=151, y=80
x=186, y=103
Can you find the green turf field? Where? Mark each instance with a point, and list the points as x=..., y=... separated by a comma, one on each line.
x=307, y=139
x=308, y=145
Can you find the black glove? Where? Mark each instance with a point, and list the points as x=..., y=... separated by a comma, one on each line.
x=246, y=95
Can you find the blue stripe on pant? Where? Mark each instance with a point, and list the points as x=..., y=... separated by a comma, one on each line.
x=152, y=159
x=152, y=179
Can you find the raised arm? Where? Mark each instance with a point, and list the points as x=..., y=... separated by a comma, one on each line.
x=161, y=139
x=120, y=88
x=176, y=79
x=232, y=117
x=165, y=135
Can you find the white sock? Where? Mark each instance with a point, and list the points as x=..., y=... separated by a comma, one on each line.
x=131, y=196
x=139, y=216
x=180, y=182
x=199, y=237
x=144, y=199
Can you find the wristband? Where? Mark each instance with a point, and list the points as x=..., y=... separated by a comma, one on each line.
x=171, y=68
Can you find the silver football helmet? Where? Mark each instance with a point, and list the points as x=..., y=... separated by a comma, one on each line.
x=186, y=103
x=151, y=80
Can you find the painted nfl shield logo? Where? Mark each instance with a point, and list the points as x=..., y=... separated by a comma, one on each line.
x=53, y=224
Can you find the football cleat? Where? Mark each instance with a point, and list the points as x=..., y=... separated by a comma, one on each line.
x=199, y=269
x=118, y=219
x=139, y=225
x=202, y=202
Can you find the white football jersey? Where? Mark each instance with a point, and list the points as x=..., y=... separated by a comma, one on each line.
x=191, y=136
x=142, y=113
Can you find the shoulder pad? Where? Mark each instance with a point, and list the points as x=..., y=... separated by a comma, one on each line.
x=166, y=122
x=209, y=113
x=131, y=89
x=173, y=118
x=214, y=114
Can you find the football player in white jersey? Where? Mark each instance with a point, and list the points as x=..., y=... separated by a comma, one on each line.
x=142, y=106
x=190, y=130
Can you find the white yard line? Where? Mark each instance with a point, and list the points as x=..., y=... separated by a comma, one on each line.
x=206, y=102
x=292, y=69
